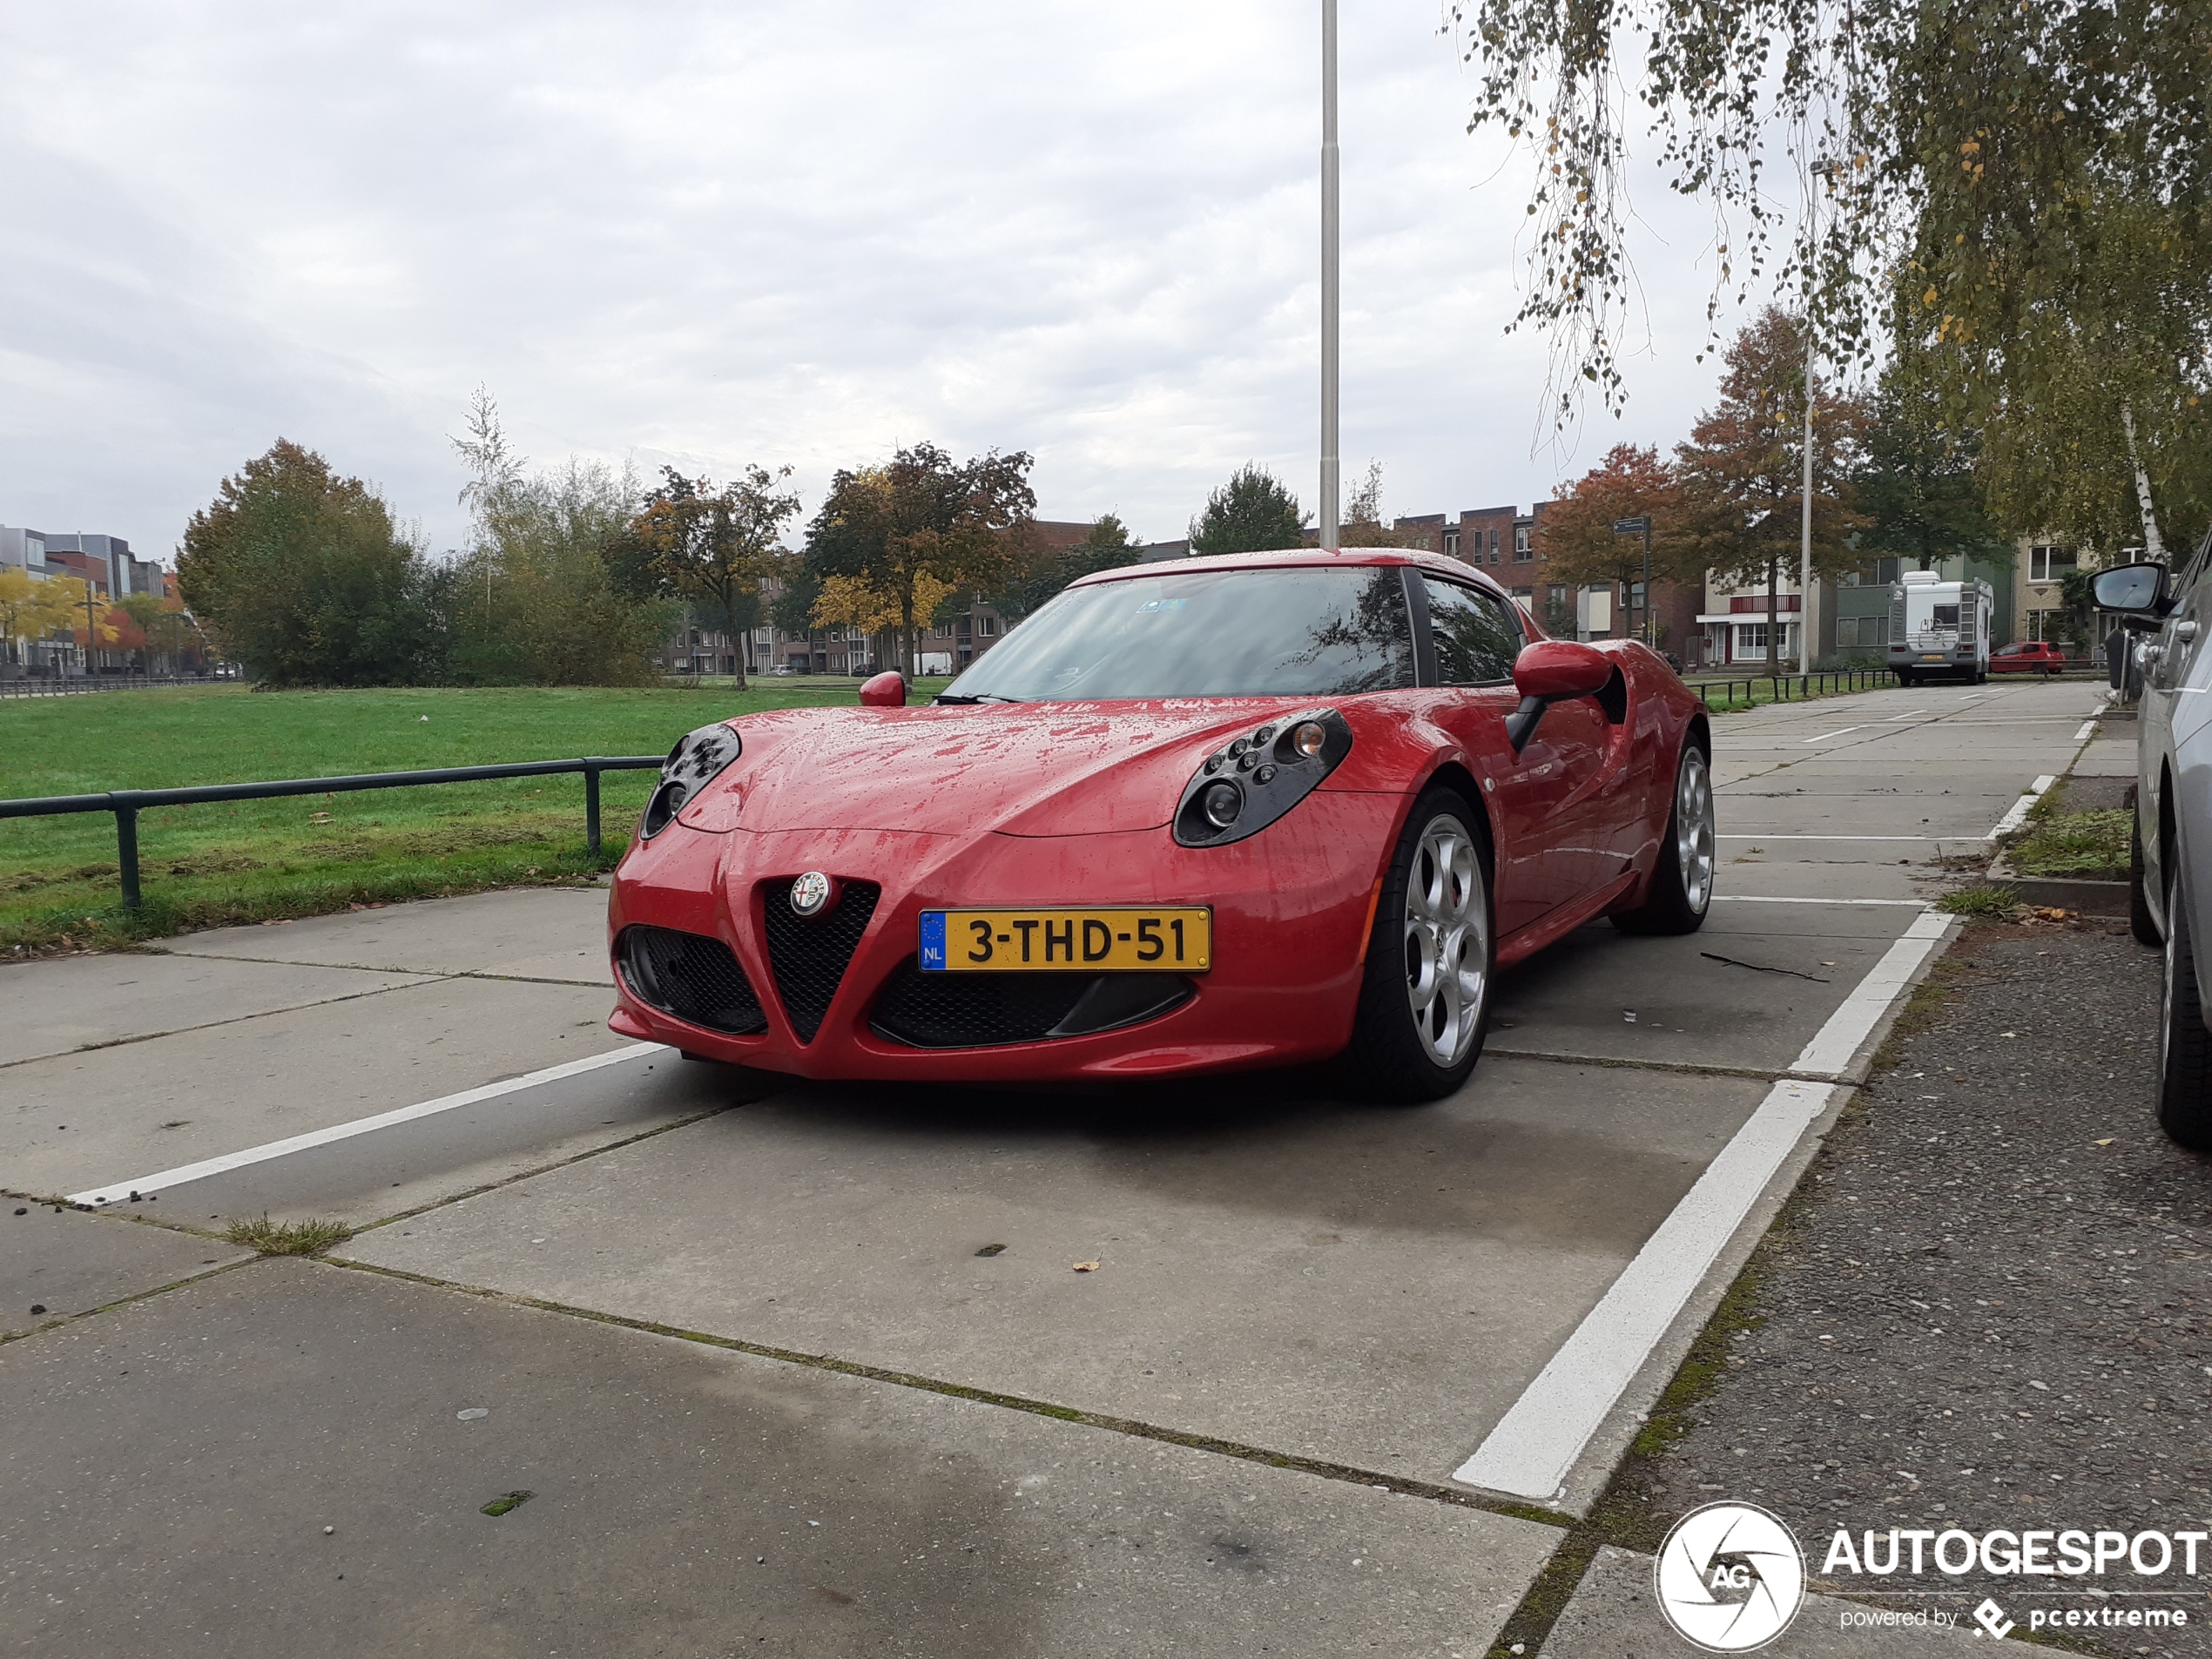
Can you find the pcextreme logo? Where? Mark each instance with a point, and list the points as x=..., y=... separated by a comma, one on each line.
x=1729, y=1577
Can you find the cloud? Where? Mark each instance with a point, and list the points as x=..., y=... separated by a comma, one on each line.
x=773, y=232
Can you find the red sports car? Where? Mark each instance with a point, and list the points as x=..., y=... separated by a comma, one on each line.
x=1219, y=813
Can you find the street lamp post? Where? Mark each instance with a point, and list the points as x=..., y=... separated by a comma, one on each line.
x=1641, y=522
x=1820, y=171
x=1329, y=531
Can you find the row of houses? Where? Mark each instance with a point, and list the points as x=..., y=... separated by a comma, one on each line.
x=1718, y=625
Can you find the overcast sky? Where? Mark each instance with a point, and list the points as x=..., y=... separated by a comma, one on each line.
x=775, y=233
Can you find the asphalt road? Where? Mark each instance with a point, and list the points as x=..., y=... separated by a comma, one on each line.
x=1335, y=1363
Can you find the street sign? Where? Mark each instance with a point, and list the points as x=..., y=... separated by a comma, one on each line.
x=1631, y=526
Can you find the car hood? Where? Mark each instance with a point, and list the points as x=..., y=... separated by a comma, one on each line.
x=1044, y=769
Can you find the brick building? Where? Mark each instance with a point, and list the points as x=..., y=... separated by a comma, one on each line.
x=1507, y=545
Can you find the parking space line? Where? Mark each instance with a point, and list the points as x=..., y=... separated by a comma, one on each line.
x=1760, y=898
x=1847, y=838
x=1843, y=731
x=1535, y=1445
x=2016, y=814
x=116, y=1190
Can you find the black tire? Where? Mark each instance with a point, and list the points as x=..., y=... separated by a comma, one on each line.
x=1907, y=679
x=2184, y=1046
x=1677, y=901
x=2140, y=920
x=1393, y=1055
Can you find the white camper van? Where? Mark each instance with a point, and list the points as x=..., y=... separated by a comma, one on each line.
x=1938, y=629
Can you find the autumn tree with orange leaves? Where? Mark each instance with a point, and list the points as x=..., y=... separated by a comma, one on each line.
x=1741, y=472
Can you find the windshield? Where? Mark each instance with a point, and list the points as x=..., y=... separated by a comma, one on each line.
x=1293, y=632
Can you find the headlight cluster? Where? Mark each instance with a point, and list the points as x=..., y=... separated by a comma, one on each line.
x=1243, y=788
x=690, y=765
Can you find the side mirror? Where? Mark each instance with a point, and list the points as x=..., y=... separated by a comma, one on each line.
x=885, y=690
x=1555, y=670
x=2136, y=590
x=1552, y=671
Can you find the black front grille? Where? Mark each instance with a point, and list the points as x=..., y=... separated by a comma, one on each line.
x=691, y=977
x=985, y=1011
x=810, y=954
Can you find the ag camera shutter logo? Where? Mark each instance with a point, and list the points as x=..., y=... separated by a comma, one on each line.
x=1729, y=1577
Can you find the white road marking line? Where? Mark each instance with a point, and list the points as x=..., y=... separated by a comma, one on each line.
x=1847, y=838
x=2089, y=731
x=117, y=1190
x=1829, y=1054
x=2016, y=814
x=1842, y=732
x=1907, y=715
x=1534, y=1448
x=1760, y=898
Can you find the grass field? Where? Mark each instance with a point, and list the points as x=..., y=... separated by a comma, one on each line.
x=253, y=860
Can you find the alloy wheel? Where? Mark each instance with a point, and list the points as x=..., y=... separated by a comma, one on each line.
x=1694, y=830
x=1447, y=940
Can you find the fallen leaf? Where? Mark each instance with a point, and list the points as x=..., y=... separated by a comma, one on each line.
x=2107, y=1143
x=1086, y=1267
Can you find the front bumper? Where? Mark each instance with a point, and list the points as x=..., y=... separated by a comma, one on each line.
x=1291, y=911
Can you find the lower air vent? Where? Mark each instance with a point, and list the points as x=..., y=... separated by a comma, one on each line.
x=984, y=1010
x=810, y=954
x=691, y=977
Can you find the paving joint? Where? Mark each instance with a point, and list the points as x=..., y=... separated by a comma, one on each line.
x=362, y=968
x=58, y=1320
x=1350, y=1474
x=419, y=977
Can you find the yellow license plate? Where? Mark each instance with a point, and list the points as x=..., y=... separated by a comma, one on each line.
x=1113, y=939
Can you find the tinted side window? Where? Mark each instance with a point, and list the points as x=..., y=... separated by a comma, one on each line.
x=1477, y=635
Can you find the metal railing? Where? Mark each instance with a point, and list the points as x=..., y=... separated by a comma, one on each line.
x=127, y=803
x=75, y=684
x=1835, y=680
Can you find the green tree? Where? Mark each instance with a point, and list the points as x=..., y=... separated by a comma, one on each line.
x=719, y=550
x=1741, y=470
x=534, y=599
x=1363, y=523
x=2033, y=182
x=302, y=575
x=918, y=528
x=1916, y=482
x=1107, y=545
x=1252, y=513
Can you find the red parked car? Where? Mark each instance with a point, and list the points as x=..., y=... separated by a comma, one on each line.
x=1221, y=813
x=2029, y=656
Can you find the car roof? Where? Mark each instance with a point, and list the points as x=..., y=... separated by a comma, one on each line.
x=1304, y=558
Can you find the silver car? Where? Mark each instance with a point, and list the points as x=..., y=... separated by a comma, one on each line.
x=2170, y=896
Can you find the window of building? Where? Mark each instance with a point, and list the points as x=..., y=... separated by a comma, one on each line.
x=2049, y=564
x=1521, y=549
x=1452, y=543
x=1476, y=637
x=1750, y=637
x=987, y=625
x=1493, y=546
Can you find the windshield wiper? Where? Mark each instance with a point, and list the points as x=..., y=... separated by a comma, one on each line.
x=979, y=696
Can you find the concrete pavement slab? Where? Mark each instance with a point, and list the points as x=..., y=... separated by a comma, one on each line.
x=72, y=1120
x=63, y=1262
x=1370, y=1286
x=1757, y=1009
x=1612, y=1616
x=523, y=933
x=82, y=1002
x=295, y=1459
